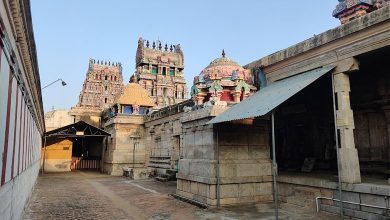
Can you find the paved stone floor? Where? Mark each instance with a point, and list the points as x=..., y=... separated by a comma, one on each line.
x=88, y=195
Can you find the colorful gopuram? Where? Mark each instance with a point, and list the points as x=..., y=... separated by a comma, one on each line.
x=348, y=10
x=223, y=80
x=159, y=69
x=103, y=82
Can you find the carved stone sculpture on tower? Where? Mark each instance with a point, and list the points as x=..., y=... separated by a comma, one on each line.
x=223, y=80
x=160, y=72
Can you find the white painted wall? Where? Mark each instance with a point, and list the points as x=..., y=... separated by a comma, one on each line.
x=15, y=194
x=20, y=138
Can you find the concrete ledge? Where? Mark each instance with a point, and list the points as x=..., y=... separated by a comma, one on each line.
x=206, y=112
x=227, y=201
x=125, y=119
x=200, y=179
x=367, y=188
x=353, y=213
x=226, y=180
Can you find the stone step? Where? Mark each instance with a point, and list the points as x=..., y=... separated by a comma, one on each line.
x=171, y=172
x=296, y=208
x=163, y=166
x=161, y=179
x=160, y=160
x=165, y=176
x=300, y=201
x=160, y=157
x=169, y=176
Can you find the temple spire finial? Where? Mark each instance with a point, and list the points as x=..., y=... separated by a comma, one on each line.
x=223, y=53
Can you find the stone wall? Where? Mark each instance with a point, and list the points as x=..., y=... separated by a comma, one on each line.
x=57, y=118
x=164, y=137
x=126, y=148
x=88, y=115
x=163, y=141
x=244, y=169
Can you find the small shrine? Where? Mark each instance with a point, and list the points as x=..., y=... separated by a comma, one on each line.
x=133, y=100
x=348, y=10
x=222, y=81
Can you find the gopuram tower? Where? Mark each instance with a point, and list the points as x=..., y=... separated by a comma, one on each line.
x=159, y=69
x=103, y=81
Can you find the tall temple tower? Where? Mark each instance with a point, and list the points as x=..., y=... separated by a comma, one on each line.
x=103, y=81
x=159, y=69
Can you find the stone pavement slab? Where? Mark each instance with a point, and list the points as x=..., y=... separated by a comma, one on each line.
x=89, y=195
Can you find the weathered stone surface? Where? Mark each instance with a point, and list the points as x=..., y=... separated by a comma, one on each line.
x=375, y=200
x=244, y=167
x=127, y=146
x=350, y=172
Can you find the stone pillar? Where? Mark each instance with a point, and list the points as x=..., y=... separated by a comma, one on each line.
x=245, y=96
x=199, y=99
x=127, y=149
x=386, y=110
x=348, y=155
x=219, y=95
x=237, y=96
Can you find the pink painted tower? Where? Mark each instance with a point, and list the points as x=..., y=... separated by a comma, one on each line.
x=223, y=80
x=103, y=82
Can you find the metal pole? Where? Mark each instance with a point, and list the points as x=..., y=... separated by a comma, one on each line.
x=337, y=149
x=44, y=154
x=105, y=140
x=274, y=166
x=218, y=181
x=63, y=83
x=134, y=154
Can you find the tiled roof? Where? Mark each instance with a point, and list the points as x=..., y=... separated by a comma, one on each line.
x=134, y=94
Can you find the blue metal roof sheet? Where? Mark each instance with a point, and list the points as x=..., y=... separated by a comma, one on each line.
x=271, y=96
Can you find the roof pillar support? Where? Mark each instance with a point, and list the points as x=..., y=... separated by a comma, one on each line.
x=348, y=155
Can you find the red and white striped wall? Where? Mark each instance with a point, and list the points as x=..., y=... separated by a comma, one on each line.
x=20, y=139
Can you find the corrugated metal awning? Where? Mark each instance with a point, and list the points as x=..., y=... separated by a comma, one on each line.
x=268, y=98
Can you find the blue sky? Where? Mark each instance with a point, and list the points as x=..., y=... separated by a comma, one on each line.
x=69, y=32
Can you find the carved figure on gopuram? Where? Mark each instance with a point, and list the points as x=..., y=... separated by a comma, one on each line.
x=159, y=70
x=222, y=82
x=348, y=10
x=103, y=82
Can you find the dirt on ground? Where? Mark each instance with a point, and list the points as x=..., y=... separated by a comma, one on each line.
x=90, y=195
